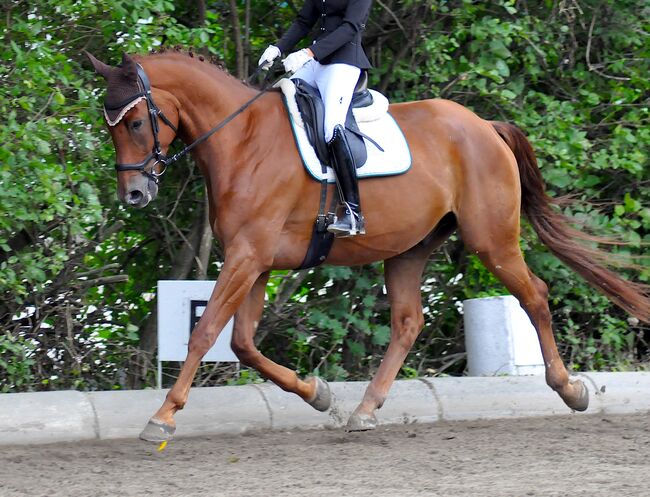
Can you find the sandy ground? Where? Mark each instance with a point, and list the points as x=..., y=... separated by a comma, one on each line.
x=578, y=455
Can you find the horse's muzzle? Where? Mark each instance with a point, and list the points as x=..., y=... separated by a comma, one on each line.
x=139, y=192
x=135, y=198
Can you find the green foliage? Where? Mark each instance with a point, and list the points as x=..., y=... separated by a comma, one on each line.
x=573, y=76
x=54, y=206
x=16, y=362
x=582, y=98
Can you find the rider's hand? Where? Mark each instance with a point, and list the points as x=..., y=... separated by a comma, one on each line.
x=269, y=55
x=297, y=59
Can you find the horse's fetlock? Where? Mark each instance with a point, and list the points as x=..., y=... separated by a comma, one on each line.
x=375, y=399
x=177, y=401
x=557, y=382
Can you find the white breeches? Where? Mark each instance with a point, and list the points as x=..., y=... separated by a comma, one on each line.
x=336, y=84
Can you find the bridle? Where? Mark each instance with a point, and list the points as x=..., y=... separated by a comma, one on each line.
x=155, y=113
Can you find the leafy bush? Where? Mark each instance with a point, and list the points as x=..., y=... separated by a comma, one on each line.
x=78, y=272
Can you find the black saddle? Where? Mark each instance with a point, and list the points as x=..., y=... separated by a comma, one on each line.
x=312, y=111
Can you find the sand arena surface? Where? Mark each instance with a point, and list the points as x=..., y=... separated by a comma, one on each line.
x=577, y=455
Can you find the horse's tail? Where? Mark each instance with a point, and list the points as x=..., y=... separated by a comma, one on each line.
x=554, y=231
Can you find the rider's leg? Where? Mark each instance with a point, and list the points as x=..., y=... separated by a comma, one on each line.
x=308, y=72
x=336, y=84
x=351, y=222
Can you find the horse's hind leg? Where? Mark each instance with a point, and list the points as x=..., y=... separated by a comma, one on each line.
x=314, y=390
x=499, y=250
x=403, y=276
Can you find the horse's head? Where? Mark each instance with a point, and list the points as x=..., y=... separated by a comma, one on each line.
x=134, y=112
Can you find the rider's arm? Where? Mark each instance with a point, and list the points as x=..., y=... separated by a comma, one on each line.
x=300, y=28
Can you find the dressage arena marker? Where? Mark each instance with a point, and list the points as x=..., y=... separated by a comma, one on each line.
x=499, y=338
x=180, y=306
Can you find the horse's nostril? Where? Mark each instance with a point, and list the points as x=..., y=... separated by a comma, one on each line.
x=134, y=197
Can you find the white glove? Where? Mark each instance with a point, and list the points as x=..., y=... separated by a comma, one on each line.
x=270, y=54
x=296, y=60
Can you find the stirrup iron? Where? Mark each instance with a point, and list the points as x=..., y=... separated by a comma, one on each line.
x=351, y=223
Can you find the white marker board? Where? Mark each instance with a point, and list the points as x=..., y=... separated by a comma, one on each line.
x=180, y=305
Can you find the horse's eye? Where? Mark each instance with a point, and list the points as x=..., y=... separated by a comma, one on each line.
x=136, y=125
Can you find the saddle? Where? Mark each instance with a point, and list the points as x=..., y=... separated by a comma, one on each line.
x=305, y=111
x=312, y=110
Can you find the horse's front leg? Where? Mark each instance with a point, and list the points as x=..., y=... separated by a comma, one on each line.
x=314, y=391
x=241, y=269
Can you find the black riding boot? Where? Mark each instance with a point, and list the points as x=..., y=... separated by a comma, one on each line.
x=352, y=222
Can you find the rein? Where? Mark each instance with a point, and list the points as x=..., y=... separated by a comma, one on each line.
x=155, y=112
x=321, y=240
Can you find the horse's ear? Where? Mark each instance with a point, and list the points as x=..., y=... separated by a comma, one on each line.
x=129, y=68
x=100, y=68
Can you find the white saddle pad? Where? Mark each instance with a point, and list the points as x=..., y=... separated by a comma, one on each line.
x=374, y=121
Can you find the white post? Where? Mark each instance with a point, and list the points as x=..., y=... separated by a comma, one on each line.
x=159, y=374
x=499, y=338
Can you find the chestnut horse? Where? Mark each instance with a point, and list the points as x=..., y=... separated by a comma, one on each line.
x=467, y=174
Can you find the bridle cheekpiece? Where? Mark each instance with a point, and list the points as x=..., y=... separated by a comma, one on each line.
x=154, y=114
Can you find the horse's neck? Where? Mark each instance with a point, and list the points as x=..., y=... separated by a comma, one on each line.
x=207, y=96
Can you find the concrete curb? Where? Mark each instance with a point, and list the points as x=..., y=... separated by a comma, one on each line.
x=37, y=418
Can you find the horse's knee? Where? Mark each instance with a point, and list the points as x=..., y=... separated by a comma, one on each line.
x=201, y=340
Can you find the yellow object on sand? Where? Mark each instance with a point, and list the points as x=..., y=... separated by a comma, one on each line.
x=162, y=446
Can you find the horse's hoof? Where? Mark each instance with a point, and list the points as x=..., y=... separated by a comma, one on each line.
x=156, y=431
x=361, y=422
x=582, y=402
x=323, y=397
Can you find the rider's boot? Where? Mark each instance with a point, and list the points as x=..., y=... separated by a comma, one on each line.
x=352, y=222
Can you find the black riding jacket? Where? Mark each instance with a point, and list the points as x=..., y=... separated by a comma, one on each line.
x=339, y=33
